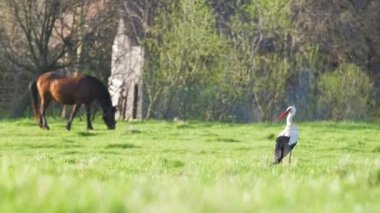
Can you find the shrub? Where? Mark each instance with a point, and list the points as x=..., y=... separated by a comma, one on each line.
x=345, y=93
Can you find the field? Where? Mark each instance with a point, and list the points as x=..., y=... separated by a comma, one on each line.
x=158, y=166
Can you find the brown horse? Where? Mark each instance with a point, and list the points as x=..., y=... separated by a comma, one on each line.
x=72, y=90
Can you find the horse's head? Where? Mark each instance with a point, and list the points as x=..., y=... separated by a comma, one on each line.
x=109, y=117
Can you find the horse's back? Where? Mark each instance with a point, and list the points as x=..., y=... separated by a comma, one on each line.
x=48, y=76
x=72, y=89
x=61, y=88
x=44, y=81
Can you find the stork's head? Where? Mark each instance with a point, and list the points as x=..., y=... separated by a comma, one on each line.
x=290, y=110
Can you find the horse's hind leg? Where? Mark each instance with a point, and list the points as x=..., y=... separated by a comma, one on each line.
x=88, y=115
x=72, y=115
x=41, y=122
x=44, y=104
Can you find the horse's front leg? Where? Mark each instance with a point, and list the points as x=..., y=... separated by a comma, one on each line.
x=72, y=115
x=88, y=115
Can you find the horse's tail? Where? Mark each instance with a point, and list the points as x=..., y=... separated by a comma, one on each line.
x=34, y=97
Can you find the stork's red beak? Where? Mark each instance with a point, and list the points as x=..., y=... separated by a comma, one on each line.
x=283, y=115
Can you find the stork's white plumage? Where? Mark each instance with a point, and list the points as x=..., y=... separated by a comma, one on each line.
x=287, y=139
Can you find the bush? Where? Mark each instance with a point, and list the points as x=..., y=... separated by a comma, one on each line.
x=346, y=93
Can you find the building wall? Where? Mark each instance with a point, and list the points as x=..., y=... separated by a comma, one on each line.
x=126, y=76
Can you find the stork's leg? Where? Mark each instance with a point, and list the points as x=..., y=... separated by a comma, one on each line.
x=291, y=147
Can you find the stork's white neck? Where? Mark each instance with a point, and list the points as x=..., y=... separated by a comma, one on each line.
x=289, y=119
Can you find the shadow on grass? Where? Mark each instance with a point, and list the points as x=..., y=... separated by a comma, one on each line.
x=52, y=146
x=73, y=152
x=172, y=163
x=70, y=161
x=248, y=148
x=374, y=178
x=270, y=136
x=87, y=134
x=27, y=123
x=121, y=146
x=184, y=125
x=111, y=152
x=223, y=140
x=210, y=134
x=376, y=149
x=353, y=149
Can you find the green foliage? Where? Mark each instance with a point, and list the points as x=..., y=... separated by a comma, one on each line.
x=186, y=56
x=244, y=71
x=346, y=93
x=186, y=167
x=192, y=71
x=271, y=78
x=259, y=32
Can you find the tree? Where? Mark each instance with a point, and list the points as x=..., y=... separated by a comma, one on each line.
x=39, y=31
x=186, y=51
x=47, y=35
x=259, y=31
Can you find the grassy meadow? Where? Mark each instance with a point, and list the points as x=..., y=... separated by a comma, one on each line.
x=158, y=166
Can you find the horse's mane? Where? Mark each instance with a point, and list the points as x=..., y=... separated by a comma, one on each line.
x=103, y=89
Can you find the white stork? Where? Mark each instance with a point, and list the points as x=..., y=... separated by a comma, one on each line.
x=287, y=139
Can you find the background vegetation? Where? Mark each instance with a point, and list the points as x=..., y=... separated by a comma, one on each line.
x=205, y=59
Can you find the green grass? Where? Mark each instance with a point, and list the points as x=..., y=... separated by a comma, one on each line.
x=158, y=166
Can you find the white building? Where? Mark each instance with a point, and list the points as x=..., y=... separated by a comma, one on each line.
x=125, y=82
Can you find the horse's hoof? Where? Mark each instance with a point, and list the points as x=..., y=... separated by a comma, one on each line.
x=68, y=127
